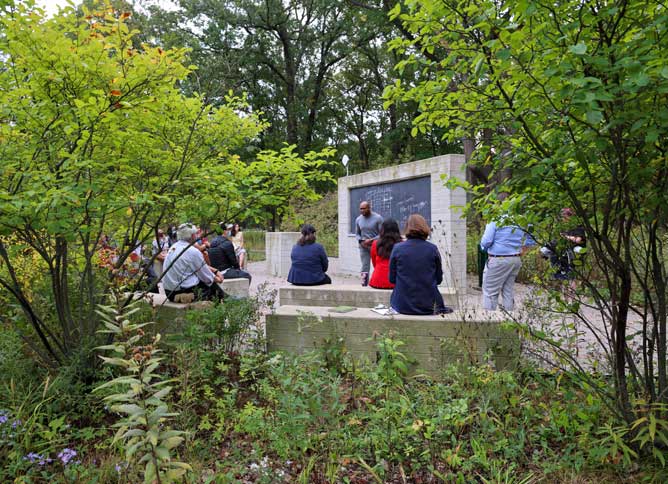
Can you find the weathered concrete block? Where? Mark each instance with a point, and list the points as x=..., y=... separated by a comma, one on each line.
x=430, y=341
x=347, y=295
x=172, y=315
x=278, y=246
x=236, y=287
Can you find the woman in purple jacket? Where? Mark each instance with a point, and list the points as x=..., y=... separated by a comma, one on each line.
x=416, y=271
x=309, y=261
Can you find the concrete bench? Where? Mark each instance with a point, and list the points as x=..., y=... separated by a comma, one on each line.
x=168, y=311
x=236, y=287
x=431, y=341
x=347, y=295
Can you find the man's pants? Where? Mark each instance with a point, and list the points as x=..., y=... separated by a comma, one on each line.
x=365, y=257
x=499, y=278
x=237, y=274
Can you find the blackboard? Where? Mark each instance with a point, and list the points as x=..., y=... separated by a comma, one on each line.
x=395, y=200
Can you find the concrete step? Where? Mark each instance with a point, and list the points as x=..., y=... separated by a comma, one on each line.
x=431, y=341
x=347, y=295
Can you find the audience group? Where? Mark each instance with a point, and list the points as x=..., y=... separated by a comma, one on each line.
x=191, y=267
x=187, y=265
x=412, y=268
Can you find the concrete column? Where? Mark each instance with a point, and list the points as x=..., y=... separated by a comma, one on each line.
x=278, y=248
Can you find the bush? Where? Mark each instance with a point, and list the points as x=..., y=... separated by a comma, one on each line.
x=324, y=216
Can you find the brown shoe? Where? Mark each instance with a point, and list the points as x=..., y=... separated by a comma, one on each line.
x=184, y=298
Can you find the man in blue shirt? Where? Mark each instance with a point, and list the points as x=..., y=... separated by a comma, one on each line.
x=504, y=245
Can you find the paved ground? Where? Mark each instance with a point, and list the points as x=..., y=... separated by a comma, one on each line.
x=261, y=275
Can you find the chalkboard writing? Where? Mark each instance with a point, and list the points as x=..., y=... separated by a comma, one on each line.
x=395, y=200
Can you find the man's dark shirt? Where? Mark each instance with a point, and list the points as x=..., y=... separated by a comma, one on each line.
x=221, y=254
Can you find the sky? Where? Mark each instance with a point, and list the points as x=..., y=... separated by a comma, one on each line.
x=51, y=6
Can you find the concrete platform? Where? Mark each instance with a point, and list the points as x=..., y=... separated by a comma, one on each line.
x=431, y=341
x=166, y=311
x=347, y=295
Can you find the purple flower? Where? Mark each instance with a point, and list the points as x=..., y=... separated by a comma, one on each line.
x=16, y=423
x=3, y=418
x=66, y=455
x=34, y=457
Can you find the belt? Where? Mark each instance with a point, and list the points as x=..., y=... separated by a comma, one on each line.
x=509, y=255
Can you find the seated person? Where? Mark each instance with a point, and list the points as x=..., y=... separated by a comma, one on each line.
x=222, y=257
x=380, y=254
x=237, y=238
x=186, y=275
x=415, y=268
x=159, y=248
x=309, y=261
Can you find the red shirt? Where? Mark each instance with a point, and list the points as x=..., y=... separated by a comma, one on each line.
x=380, y=279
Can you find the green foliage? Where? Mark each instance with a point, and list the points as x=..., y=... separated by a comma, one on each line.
x=299, y=417
x=35, y=440
x=255, y=244
x=223, y=327
x=139, y=394
x=323, y=215
x=569, y=104
x=98, y=139
x=291, y=175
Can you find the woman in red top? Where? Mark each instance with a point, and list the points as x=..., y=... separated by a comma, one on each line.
x=381, y=249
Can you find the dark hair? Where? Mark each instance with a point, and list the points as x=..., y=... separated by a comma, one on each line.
x=308, y=235
x=417, y=227
x=389, y=235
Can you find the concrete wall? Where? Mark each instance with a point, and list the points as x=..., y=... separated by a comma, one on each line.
x=431, y=341
x=278, y=246
x=449, y=226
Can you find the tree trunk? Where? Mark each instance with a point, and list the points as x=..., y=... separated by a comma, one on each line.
x=290, y=88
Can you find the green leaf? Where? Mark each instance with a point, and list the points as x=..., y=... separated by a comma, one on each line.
x=578, y=49
x=130, y=409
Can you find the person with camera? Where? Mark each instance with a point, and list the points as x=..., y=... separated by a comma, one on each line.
x=565, y=254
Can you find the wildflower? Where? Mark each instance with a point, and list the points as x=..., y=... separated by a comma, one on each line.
x=66, y=455
x=16, y=423
x=35, y=458
x=3, y=418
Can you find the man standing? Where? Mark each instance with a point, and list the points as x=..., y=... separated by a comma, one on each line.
x=504, y=243
x=187, y=276
x=367, y=229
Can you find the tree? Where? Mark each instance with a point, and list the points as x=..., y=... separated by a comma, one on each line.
x=574, y=96
x=98, y=140
x=281, y=52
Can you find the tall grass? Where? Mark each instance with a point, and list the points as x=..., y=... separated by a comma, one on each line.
x=254, y=242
